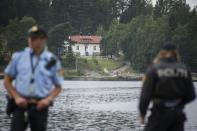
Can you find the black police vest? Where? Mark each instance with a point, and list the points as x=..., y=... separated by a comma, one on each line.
x=171, y=81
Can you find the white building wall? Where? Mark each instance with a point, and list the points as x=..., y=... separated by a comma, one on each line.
x=91, y=49
x=80, y=49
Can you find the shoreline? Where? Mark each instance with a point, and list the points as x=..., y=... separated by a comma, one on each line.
x=119, y=78
x=84, y=78
x=103, y=78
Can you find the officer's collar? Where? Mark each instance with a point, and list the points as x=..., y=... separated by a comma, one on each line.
x=30, y=50
x=169, y=60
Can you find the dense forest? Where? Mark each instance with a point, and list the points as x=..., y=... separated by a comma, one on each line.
x=135, y=28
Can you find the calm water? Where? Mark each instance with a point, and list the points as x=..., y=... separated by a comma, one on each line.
x=96, y=106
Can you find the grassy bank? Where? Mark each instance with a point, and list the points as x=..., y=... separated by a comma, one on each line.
x=93, y=65
x=100, y=64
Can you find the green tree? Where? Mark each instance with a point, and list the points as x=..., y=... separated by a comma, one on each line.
x=164, y=7
x=58, y=34
x=69, y=59
x=143, y=39
x=16, y=32
x=186, y=38
x=179, y=15
x=136, y=8
x=111, y=39
x=10, y=9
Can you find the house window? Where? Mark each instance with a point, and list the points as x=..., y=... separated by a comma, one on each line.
x=94, y=47
x=77, y=47
x=86, y=47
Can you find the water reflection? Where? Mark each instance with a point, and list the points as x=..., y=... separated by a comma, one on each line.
x=88, y=108
x=93, y=106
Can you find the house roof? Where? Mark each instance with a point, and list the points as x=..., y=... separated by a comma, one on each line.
x=81, y=39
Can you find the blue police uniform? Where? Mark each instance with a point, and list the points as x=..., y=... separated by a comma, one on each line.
x=44, y=80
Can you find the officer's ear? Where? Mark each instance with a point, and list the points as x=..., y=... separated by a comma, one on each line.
x=29, y=40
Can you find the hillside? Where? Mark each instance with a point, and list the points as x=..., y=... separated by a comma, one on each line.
x=100, y=68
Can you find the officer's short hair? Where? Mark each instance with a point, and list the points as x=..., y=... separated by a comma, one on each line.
x=37, y=32
x=169, y=46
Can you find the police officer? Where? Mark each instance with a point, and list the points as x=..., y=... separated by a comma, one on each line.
x=36, y=73
x=168, y=85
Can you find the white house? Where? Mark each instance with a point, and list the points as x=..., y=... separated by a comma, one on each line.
x=85, y=45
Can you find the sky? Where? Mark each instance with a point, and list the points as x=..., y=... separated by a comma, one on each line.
x=192, y=3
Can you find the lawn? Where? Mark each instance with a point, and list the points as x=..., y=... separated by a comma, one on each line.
x=102, y=63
